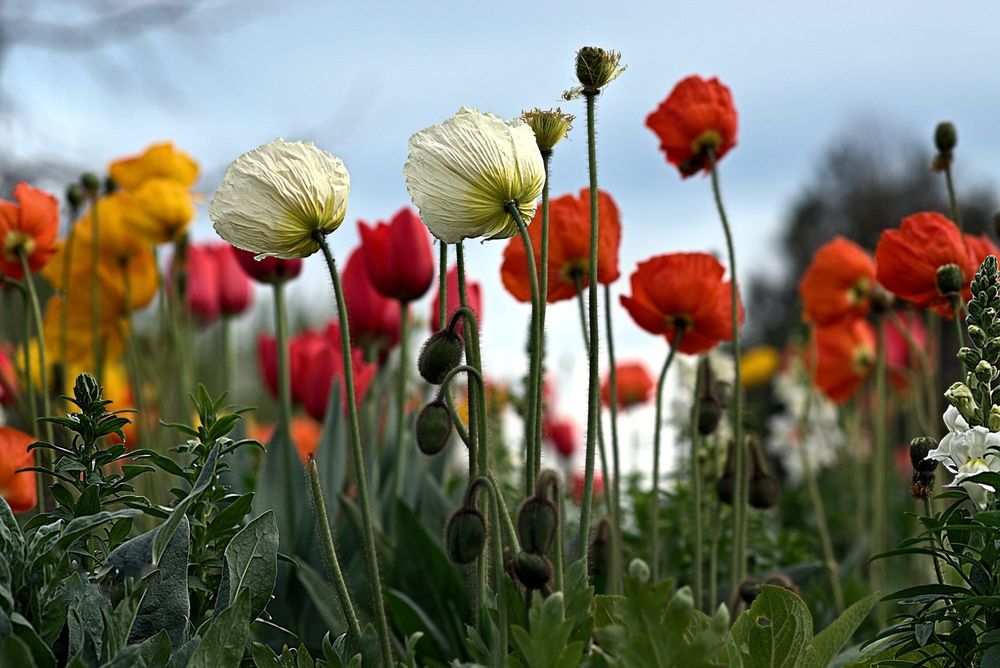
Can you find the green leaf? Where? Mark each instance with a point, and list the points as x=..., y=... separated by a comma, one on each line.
x=224, y=641
x=775, y=632
x=166, y=530
x=548, y=642
x=15, y=652
x=251, y=564
x=89, y=502
x=39, y=649
x=151, y=653
x=85, y=619
x=827, y=643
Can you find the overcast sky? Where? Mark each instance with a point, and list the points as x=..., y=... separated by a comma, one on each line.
x=360, y=78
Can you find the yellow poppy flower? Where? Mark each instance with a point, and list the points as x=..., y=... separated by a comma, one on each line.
x=159, y=210
x=158, y=161
x=758, y=365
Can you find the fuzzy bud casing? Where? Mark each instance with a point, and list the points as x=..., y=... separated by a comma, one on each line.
x=465, y=535
x=434, y=427
x=596, y=68
x=949, y=279
x=945, y=137
x=537, y=523
x=441, y=353
x=532, y=570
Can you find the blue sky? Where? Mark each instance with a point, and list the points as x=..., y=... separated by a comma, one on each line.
x=359, y=78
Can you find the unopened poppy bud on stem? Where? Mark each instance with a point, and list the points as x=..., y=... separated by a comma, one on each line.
x=91, y=182
x=465, y=535
x=765, y=490
x=75, y=196
x=945, y=137
x=537, y=523
x=949, y=279
x=434, y=426
x=596, y=68
x=550, y=126
x=532, y=570
x=441, y=353
x=923, y=469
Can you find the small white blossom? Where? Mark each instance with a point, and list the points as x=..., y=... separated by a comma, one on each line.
x=822, y=436
x=968, y=451
x=462, y=173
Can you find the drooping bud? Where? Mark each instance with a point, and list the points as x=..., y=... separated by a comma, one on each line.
x=945, y=137
x=550, y=127
x=465, y=535
x=596, y=68
x=75, y=196
x=960, y=396
x=764, y=490
x=919, y=447
x=725, y=485
x=532, y=570
x=599, y=550
x=710, y=409
x=639, y=570
x=441, y=353
x=91, y=182
x=434, y=427
x=537, y=523
x=949, y=279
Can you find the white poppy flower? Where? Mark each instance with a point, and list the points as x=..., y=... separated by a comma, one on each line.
x=462, y=173
x=276, y=196
x=968, y=451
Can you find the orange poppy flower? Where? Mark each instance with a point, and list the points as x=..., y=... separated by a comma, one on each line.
x=634, y=385
x=17, y=489
x=845, y=354
x=697, y=115
x=160, y=160
x=908, y=259
x=569, y=248
x=687, y=290
x=31, y=226
x=837, y=284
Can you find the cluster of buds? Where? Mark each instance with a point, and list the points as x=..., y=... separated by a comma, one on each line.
x=439, y=356
x=764, y=489
x=537, y=525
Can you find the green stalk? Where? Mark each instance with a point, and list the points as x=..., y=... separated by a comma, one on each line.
x=285, y=406
x=614, y=483
x=442, y=284
x=658, y=427
x=742, y=484
x=326, y=533
x=956, y=313
x=879, y=484
x=132, y=357
x=401, y=377
x=532, y=438
x=593, y=403
x=371, y=556
x=543, y=291
x=699, y=557
x=36, y=312
x=956, y=215
x=64, y=306
x=937, y=564
x=227, y=352
x=95, y=292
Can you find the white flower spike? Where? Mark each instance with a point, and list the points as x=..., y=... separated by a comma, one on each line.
x=276, y=196
x=462, y=173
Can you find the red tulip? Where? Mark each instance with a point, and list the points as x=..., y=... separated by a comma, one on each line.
x=562, y=434
x=398, y=256
x=579, y=483
x=235, y=291
x=326, y=364
x=268, y=269
x=453, y=302
x=267, y=360
x=374, y=319
x=202, y=287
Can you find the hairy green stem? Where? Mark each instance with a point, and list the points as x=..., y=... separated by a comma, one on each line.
x=543, y=292
x=956, y=214
x=285, y=405
x=937, y=564
x=657, y=428
x=880, y=454
x=401, y=377
x=442, y=284
x=36, y=312
x=699, y=557
x=371, y=555
x=615, y=482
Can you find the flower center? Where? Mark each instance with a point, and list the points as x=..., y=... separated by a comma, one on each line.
x=858, y=292
x=17, y=241
x=681, y=322
x=709, y=139
x=574, y=271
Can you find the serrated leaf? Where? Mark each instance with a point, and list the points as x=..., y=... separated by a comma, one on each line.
x=775, y=632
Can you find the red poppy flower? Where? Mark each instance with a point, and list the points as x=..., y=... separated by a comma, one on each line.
x=326, y=364
x=202, y=293
x=569, y=248
x=235, y=291
x=452, y=303
x=908, y=260
x=580, y=482
x=687, y=290
x=30, y=226
x=17, y=489
x=373, y=318
x=981, y=247
x=8, y=378
x=398, y=256
x=634, y=385
x=562, y=434
x=268, y=269
x=697, y=115
x=900, y=358
x=837, y=284
x=845, y=354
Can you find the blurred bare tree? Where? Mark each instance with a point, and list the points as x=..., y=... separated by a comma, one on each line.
x=868, y=180
x=84, y=29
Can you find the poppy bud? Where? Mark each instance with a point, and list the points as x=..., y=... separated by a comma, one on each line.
x=880, y=299
x=75, y=195
x=949, y=279
x=945, y=137
x=537, y=523
x=465, y=535
x=596, y=68
x=750, y=589
x=434, y=427
x=764, y=489
x=599, y=552
x=639, y=570
x=710, y=408
x=110, y=185
x=725, y=485
x=441, y=353
x=91, y=183
x=919, y=447
x=532, y=570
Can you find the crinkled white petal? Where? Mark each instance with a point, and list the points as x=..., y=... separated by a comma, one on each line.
x=461, y=174
x=274, y=197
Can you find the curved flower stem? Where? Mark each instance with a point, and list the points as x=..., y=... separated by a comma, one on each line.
x=95, y=292
x=332, y=561
x=614, y=483
x=956, y=214
x=36, y=312
x=658, y=427
x=285, y=404
x=442, y=284
x=463, y=433
x=742, y=486
x=401, y=378
x=496, y=502
x=371, y=555
x=549, y=480
x=593, y=404
x=880, y=454
x=532, y=438
x=699, y=533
